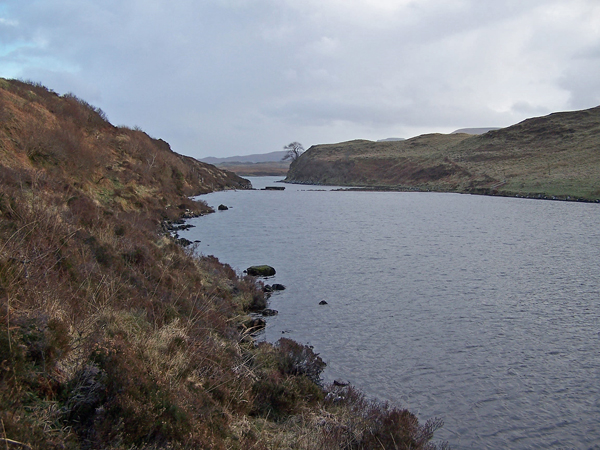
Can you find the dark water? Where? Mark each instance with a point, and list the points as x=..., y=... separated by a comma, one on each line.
x=482, y=311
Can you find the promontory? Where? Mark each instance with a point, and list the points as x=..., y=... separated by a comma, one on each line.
x=556, y=156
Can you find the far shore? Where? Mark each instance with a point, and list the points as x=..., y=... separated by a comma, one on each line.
x=477, y=191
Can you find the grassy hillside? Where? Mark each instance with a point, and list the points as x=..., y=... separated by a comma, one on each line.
x=556, y=156
x=113, y=336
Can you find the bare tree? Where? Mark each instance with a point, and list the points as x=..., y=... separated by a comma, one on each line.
x=294, y=150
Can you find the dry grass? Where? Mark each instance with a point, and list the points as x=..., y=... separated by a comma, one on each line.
x=112, y=336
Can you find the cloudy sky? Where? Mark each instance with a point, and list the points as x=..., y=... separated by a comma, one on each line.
x=234, y=77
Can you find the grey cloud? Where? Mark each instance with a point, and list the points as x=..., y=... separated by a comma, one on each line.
x=581, y=79
x=228, y=76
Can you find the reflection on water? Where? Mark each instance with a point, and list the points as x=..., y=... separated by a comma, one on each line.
x=483, y=311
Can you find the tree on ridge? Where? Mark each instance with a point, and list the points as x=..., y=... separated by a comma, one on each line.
x=294, y=150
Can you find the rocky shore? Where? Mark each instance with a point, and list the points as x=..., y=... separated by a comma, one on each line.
x=113, y=334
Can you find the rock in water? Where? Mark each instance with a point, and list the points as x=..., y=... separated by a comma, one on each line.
x=223, y=208
x=260, y=271
x=255, y=324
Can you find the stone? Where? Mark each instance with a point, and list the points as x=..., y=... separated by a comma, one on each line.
x=278, y=287
x=183, y=242
x=261, y=271
x=323, y=302
x=223, y=208
x=255, y=324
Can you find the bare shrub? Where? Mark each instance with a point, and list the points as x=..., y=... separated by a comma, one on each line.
x=298, y=359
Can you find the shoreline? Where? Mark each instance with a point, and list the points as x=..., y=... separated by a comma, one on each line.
x=476, y=191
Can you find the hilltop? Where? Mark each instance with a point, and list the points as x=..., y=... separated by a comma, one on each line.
x=113, y=334
x=474, y=130
x=554, y=156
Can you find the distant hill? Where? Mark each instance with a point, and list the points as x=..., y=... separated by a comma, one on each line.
x=255, y=158
x=474, y=130
x=555, y=156
x=257, y=165
x=264, y=169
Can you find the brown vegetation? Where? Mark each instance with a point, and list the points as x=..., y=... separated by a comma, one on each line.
x=555, y=156
x=112, y=336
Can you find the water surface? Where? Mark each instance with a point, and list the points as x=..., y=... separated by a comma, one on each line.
x=483, y=311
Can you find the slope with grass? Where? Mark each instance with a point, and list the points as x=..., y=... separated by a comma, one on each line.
x=556, y=156
x=113, y=336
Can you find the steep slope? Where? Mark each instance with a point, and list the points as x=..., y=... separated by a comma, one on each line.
x=415, y=162
x=67, y=138
x=113, y=336
x=556, y=156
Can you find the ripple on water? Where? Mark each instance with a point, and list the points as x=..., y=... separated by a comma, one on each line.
x=482, y=311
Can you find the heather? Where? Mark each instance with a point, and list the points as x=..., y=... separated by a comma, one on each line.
x=115, y=336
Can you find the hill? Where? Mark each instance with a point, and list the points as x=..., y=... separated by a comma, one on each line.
x=113, y=335
x=554, y=156
x=255, y=158
x=258, y=169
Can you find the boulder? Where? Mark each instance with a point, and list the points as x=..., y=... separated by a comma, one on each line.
x=223, y=208
x=183, y=242
x=269, y=312
x=260, y=271
x=322, y=302
x=278, y=287
x=254, y=324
